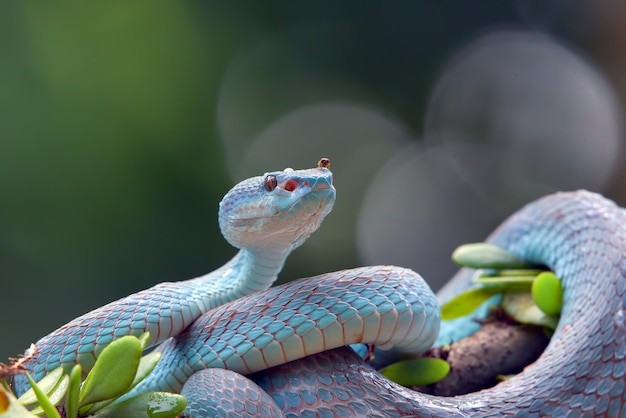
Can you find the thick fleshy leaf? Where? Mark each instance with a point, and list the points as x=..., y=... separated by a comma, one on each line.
x=91, y=408
x=417, y=372
x=10, y=407
x=512, y=273
x=151, y=404
x=466, y=302
x=73, y=392
x=113, y=372
x=45, y=404
x=146, y=365
x=56, y=395
x=508, y=282
x=144, y=339
x=548, y=293
x=486, y=256
x=521, y=307
x=47, y=384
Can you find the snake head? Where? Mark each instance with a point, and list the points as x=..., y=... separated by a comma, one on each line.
x=277, y=209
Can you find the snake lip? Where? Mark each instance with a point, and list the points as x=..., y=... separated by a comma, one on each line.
x=323, y=185
x=322, y=188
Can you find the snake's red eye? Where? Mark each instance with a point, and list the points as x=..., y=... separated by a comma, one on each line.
x=270, y=183
x=290, y=185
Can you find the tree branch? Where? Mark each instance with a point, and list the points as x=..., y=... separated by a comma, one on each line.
x=498, y=348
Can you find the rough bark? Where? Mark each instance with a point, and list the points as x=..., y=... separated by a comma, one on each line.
x=498, y=348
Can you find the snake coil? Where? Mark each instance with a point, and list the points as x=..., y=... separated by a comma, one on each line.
x=290, y=339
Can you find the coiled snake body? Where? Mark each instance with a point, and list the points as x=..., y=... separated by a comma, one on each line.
x=580, y=236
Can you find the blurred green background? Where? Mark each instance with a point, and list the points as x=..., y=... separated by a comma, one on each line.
x=123, y=124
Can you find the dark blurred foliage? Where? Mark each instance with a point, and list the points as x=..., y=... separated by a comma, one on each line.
x=123, y=124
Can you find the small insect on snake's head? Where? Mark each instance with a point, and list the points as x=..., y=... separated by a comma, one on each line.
x=277, y=209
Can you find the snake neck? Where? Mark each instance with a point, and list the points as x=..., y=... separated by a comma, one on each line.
x=249, y=271
x=255, y=270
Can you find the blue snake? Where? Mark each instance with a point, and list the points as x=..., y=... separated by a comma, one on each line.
x=291, y=340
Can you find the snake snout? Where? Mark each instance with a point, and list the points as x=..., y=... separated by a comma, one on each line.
x=323, y=183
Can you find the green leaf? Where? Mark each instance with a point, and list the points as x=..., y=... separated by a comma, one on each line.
x=513, y=273
x=73, y=392
x=521, y=307
x=487, y=256
x=507, y=282
x=548, y=293
x=56, y=395
x=505, y=377
x=151, y=404
x=417, y=372
x=113, y=372
x=144, y=339
x=11, y=407
x=42, y=398
x=146, y=365
x=47, y=384
x=466, y=302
